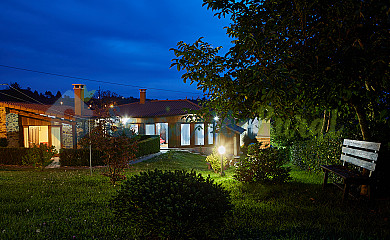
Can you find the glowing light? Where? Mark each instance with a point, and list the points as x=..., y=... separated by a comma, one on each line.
x=216, y=118
x=221, y=150
x=124, y=120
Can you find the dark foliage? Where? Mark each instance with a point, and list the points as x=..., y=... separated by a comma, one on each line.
x=322, y=150
x=247, y=141
x=3, y=142
x=12, y=156
x=263, y=165
x=80, y=157
x=148, y=145
x=172, y=205
x=15, y=93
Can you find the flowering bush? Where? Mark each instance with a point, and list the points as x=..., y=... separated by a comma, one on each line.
x=215, y=160
x=39, y=156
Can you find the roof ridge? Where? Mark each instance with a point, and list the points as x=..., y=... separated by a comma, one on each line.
x=167, y=100
x=24, y=103
x=191, y=102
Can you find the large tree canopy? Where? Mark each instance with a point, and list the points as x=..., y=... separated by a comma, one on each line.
x=291, y=57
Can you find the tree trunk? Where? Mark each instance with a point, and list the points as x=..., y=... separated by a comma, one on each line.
x=323, y=123
x=362, y=122
x=366, y=137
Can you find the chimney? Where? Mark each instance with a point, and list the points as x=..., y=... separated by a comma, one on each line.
x=78, y=99
x=142, y=96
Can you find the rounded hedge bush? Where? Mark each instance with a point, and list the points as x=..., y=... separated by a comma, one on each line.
x=174, y=205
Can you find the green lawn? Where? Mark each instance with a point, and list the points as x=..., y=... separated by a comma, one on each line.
x=71, y=204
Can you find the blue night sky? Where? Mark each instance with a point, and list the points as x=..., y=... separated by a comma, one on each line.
x=117, y=41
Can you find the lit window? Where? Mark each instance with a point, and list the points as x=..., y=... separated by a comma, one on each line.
x=134, y=127
x=149, y=129
x=185, y=134
x=210, y=134
x=199, y=134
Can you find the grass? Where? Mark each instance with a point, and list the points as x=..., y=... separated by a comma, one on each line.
x=71, y=204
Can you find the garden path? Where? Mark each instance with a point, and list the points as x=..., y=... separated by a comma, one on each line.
x=55, y=163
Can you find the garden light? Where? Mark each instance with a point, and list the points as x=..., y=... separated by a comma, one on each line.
x=222, y=150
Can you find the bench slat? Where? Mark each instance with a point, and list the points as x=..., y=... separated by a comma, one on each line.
x=370, y=156
x=359, y=153
x=362, y=144
x=358, y=162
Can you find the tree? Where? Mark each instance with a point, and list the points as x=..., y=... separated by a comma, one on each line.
x=295, y=57
x=117, y=147
x=58, y=95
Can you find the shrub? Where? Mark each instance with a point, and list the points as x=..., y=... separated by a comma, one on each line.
x=263, y=165
x=148, y=146
x=12, y=156
x=247, y=140
x=174, y=205
x=215, y=160
x=322, y=150
x=80, y=157
x=39, y=156
x=3, y=142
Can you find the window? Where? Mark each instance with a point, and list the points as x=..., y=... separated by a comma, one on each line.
x=25, y=134
x=149, y=129
x=185, y=134
x=210, y=133
x=134, y=127
x=199, y=134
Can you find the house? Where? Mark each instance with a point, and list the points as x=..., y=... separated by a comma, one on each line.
x=169, y=119
x=257, y=128
x=25, y=124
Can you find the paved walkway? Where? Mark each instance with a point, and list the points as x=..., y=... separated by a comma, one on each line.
x=56, y=160
x=55, y=163
x=144, y=158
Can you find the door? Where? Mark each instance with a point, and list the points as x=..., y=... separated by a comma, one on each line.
x=33, y=136
x=162, y=130
x=56, y=137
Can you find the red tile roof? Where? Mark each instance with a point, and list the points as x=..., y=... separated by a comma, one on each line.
x=59, y=111
x=157, y=108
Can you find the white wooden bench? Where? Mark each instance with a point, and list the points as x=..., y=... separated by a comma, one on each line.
x=359, y=153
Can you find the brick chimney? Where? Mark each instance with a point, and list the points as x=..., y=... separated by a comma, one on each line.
x=142, y=96
x=78, y=99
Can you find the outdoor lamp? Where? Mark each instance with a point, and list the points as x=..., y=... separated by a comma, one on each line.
x=222, y=151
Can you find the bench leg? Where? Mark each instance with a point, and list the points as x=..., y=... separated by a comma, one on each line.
x=371, y=192
x=346, y=191
x=325, y=180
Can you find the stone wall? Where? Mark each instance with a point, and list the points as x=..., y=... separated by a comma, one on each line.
x=67, y=139
x=12, y=128
x=3, y=126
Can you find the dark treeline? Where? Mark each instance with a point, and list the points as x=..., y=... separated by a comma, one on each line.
x=15, y=93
